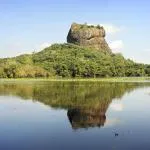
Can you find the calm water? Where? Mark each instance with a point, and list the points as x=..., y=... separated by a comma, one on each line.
x=74, y=116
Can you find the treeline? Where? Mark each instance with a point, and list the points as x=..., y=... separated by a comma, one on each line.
x=21, y=67
x=67, y=60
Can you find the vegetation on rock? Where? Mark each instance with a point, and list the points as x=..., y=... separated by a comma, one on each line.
x=69, y=60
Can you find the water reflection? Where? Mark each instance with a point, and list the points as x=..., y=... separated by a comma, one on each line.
x=80, y=118
x=86, y=103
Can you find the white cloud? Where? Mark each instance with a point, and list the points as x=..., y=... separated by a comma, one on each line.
x=44, y=45
x=116, y=46
x=147, y=50
x=111, y=29
x=116, y=106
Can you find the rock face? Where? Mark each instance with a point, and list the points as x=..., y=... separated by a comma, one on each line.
x=88, y=36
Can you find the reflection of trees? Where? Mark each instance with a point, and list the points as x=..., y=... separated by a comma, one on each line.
x=69, y=94
x=86, y=102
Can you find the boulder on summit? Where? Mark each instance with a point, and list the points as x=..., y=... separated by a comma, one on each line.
x=88, y=36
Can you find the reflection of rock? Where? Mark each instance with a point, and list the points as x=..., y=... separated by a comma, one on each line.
x=81, y=118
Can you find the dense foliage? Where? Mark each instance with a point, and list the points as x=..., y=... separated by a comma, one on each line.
x=67, y=60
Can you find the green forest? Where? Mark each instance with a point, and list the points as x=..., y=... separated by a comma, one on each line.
x=71, y=61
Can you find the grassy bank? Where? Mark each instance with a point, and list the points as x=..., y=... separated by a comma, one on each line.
x=118, y=79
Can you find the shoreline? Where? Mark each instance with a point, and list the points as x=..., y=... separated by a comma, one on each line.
x=115, y=79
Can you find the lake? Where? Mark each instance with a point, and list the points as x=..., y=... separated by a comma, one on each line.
x=46, y=115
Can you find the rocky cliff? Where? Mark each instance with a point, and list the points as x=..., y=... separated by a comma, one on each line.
x=88, y=36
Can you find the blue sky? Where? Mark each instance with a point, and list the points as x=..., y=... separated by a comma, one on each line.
x=30, y=25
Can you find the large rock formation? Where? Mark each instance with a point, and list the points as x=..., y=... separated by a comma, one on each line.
x=88, y=36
